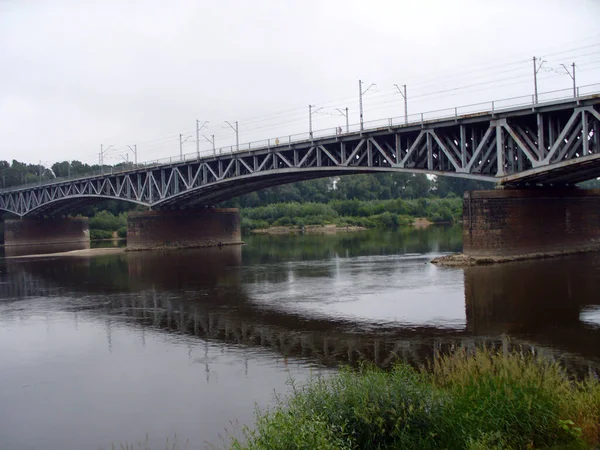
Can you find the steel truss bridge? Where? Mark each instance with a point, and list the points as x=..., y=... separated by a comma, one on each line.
x=546, y=144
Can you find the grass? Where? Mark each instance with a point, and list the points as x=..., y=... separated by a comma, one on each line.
x=478, y=400
x=170, y=444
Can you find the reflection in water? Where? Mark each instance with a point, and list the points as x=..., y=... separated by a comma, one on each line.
x=41, y=249
x=537, y=300
x=184, y=341
x=591, y=316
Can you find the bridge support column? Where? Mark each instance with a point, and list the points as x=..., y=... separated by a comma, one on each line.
x=533, y=222
x=37, y=236
x=184, y=228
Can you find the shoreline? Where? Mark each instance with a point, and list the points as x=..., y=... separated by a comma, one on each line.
x=74, y=253
x=417, y=223
x=309, y=229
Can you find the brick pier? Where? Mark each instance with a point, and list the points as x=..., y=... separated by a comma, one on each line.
x=183, y=228
x=33, y=236
x=509, y=223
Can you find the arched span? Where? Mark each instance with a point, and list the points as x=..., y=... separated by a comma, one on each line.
x=182, y=185
x=221, y=190
x=69, y=204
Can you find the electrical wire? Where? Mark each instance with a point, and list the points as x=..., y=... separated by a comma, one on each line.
x=377, y=100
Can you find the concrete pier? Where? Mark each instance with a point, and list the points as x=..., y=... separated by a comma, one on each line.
x=512, y=223
x=184, y=228
x=37, y=236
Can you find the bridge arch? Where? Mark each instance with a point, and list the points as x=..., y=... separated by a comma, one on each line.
x=225, y=189
x=70, y=204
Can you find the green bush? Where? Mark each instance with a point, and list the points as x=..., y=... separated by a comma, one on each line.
x=404, y=221
x=480, y=400
x=100, y=234
x=104, y=220
x=385, y=220
x=122, y=232
x=283, y=222
x=247, y=224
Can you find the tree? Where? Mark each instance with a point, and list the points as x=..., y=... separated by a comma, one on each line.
x=445, y=185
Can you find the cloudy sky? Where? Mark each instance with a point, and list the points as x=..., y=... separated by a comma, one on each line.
x=75, y=74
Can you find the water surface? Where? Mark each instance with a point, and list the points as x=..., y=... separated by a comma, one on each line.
x=107, y=349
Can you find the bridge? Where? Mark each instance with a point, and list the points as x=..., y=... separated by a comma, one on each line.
x=549, y=144
x=553, y=143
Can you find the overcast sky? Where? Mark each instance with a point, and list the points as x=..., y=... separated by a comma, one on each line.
x=75, y=74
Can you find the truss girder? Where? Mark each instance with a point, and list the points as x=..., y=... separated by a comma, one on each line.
x=487, y=147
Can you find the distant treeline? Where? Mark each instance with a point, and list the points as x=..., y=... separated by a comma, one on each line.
x=18, y=173
x=365, y=187
x=388, y=214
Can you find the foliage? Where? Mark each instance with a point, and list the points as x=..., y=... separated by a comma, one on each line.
x=365, y=187
x=477, y=400
x=100, y=234
x=17, y=173
x=388, y=214
x=104, y=224
x=105, y=220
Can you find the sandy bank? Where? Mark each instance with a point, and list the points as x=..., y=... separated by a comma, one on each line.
x=310, y=229
x=79, y=253
x=461, y=260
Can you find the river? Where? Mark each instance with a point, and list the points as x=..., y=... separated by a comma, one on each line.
x=145, y=346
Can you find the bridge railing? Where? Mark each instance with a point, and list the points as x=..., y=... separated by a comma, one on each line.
x=283, y=142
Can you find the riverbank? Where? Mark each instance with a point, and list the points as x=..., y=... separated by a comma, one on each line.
x=467, y=400
x=309, y=229
x=419, y=222
x=74, y=253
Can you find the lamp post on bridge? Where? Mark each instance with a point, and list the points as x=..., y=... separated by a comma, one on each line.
x=310, y=113
x=41, y=168
x=403, y=94
x=101, y=156
x=360, y=100
x=212, y=141
x=237, y=134
x=345, y=114
x=572, y=75
x=198, y=128
x=134, y=150
x=181, y=142
x=536, y=69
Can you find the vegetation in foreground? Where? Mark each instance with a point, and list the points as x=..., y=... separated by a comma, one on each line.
x=483, y=400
